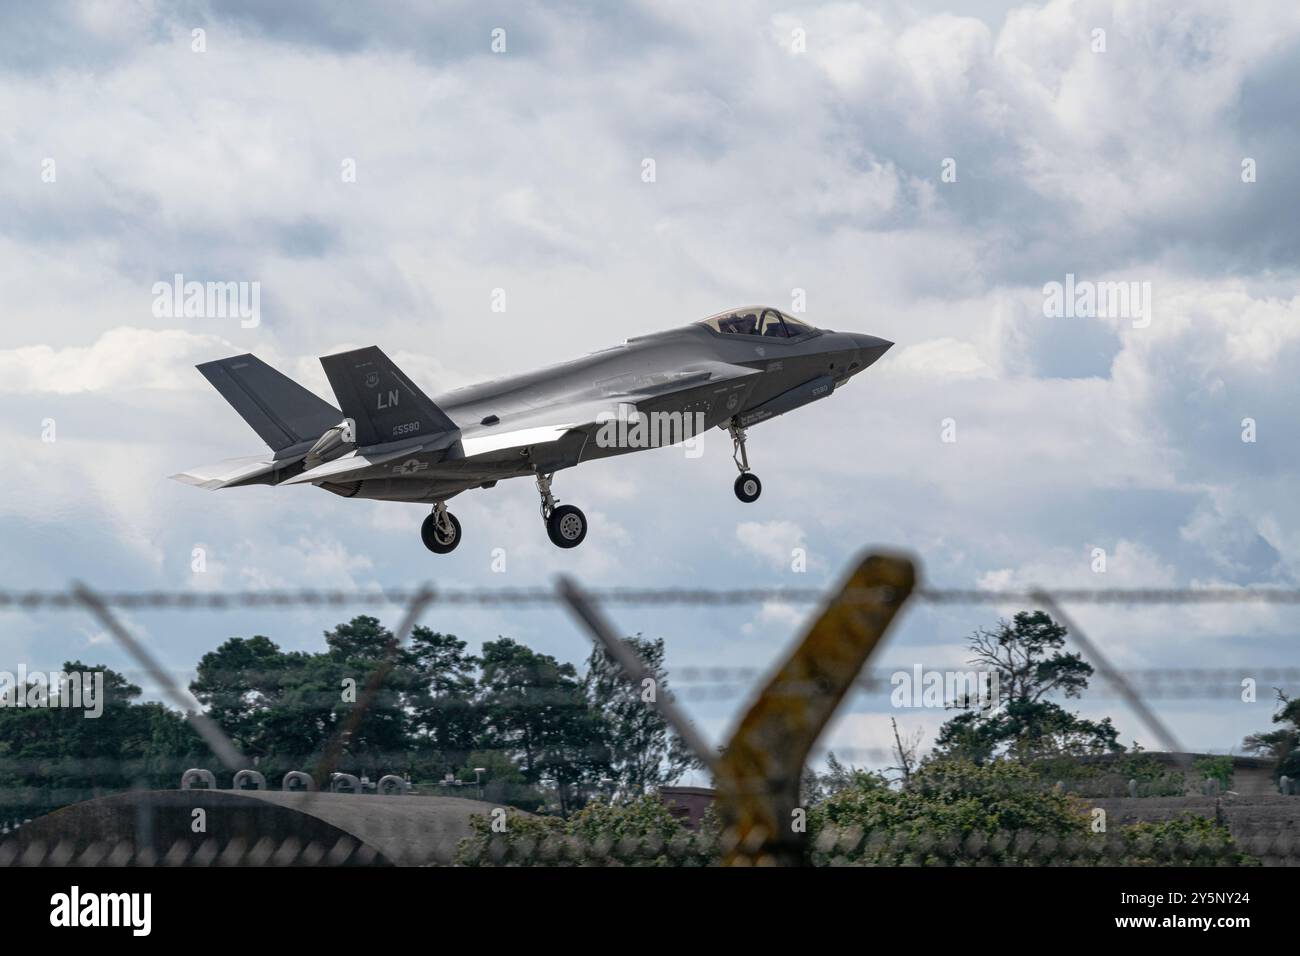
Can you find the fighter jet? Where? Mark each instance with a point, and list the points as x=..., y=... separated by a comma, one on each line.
x=387, y=440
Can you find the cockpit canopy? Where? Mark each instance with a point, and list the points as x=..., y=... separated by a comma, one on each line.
x=757, y=320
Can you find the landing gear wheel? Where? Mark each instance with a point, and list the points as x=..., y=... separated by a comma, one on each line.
x=566, y=526
x=748, y=487
x=440, y=539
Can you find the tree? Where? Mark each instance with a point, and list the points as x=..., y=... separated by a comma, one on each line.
x=1027, y=658
x=644, y=752
x=361, y=652
x=446, y=722
x=278, y=708
x=905, y=751
x=539, y=730
x=1282, y=744
x=816, y=787
x=284, y=708
x=53, y=756
x=237, y=683
x=534, y=707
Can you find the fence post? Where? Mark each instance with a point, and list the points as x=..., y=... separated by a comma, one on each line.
x=759, y=773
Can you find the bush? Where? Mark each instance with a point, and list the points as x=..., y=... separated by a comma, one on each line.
x=642, y=832
x=1215, y=768
x=946, y=804
x=1109, y=778
x=1187, y=840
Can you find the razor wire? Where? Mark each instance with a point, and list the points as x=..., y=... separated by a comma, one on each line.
x=539, y=596
x=704, y=683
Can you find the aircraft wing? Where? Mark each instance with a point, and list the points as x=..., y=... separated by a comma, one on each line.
x=490, y=441
x=556, y=425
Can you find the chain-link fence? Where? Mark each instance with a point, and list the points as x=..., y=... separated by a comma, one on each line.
x=767, y=804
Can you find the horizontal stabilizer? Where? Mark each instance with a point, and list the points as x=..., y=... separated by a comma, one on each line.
x=281, y=411
x=232, y=471
x=384, y=404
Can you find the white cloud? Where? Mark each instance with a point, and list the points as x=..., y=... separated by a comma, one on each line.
x=944, y=359
x=772, y=541
x=776, y=171
x=121, y=359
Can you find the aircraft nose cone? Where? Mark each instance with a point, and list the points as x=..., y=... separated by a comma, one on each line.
x=870, y=347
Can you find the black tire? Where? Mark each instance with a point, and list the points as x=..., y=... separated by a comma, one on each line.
x=432, y=537
x=748, y=487
x=566, y=527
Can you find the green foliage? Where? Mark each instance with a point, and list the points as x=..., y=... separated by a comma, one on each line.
x=946, y=801
x=1187, y=840
x=1215, y=768
x=545, y=736
x=1027, y=657
x=53, y=756
x=535, y=709
x=425, y=717
x=643, y=752
x=1154, y=779
x=641, y=832
x=519, y=841
x=1282, y=744
x=446, y=721
x=1108, y=776
x=501, y=782
x=816, y=787
x=951, y=812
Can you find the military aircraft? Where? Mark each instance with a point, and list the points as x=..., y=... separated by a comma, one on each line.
x=389, y=441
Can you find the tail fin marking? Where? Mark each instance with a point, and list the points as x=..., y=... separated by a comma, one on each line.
x=384, y=404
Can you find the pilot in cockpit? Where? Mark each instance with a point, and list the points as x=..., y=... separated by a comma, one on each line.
x=766, y=322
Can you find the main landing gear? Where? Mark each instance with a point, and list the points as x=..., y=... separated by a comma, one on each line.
x=747, y=486
x=566, y=526
x=441, y=530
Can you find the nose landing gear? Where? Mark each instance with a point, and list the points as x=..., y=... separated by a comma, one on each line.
x=747, y=486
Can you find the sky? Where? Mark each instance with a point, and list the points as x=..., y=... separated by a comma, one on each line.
x=919, y=171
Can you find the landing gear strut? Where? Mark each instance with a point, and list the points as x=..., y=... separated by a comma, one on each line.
x=566, y=526
x=441, y=530
x=747, y=486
